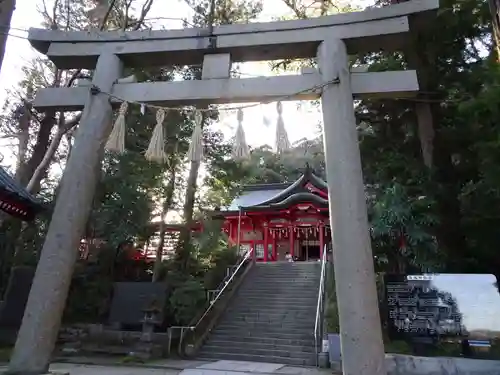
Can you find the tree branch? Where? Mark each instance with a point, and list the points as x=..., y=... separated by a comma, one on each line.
x=63, y=128
x=146, y=7
x=101, y=27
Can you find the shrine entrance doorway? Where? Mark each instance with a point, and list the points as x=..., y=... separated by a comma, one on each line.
x=310, y=250
x=282, y=247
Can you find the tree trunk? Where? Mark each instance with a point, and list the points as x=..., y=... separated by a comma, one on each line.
x=184, y=236
x=166, y=207
x=436, y=151
x=6, y=10
x=495, y=17
x=40, y=149
x=44, y=163
x=23, y=138
x=449, y=233
x=191, y=192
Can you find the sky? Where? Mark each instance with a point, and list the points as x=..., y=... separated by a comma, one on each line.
x=477, y=298
x=259, y=122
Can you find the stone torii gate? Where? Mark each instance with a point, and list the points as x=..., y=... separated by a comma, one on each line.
x=330, y=39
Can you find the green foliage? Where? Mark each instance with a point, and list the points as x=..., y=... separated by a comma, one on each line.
x=186, y=300
x=414, y=210
x=219, y=262
x=90, y=294
x=398, y=347
x=226, y=12
x=401, y=230
x=331, y=313
x=200, y=265
x=5, y=354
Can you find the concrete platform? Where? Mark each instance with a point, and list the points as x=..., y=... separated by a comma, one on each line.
x=396, y=365
x=182, y=367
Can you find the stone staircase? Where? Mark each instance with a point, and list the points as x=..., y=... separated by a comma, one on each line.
x=271, y=317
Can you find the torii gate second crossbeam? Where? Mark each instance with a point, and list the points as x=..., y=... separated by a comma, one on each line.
x=327, y=38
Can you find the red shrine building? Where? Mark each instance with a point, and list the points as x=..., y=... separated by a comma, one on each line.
x=276, y=219
x=15, y=200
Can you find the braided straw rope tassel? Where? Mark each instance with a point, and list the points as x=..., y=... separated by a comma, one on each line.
x=116, y=140
x=240, y=146
x=282, y=142
x=195, y=152
x=156, y=148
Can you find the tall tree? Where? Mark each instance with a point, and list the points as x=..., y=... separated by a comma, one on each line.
x=28, y=356
x=207, y=14
x=7, y=8
x=40, y=135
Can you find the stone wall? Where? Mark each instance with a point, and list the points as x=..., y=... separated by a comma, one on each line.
x=409, y=365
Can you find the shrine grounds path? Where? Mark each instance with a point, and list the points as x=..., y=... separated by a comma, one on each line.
x=180, y=367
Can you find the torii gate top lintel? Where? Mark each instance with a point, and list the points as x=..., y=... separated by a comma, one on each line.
x=369, y=30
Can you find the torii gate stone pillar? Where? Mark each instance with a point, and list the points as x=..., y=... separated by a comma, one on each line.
x=330, y=37
x=360, y=324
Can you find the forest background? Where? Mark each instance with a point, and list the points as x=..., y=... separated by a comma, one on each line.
x=433, y=185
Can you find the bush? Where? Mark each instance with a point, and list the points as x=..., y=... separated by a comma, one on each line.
x=219, y=263
x=186, y=300
x=332, y=317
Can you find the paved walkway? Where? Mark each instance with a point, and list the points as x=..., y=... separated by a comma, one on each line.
x=179, y=367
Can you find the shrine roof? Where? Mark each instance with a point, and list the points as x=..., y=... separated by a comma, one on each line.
x=274, y=196
x=15, y=200
x=254, y=195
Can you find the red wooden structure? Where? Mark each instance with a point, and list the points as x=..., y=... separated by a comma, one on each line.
x=16, y=201
x=276, y=219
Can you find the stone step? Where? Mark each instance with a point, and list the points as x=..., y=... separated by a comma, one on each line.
x=274, y=308
x=257, y=351
x=266, y=323
x=280, y=288
x=262, y=320
x=290, y=273
x=270, y=316
x=289, y=270
x=258, y=358
x=246, y=309
x=285, y=295
x=286, y=281
x=217, y=337
x=306, y=294
x=266, y=326
x=266, y=331
x=289, y=266
x=297, y=300
x=277, y=306
x=285, y=278
x=306, y=348
x=291, y=337
x=288, y=296
x=283, y=282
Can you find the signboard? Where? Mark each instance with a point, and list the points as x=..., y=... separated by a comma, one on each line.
x=130, y=299
x=443, y=305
